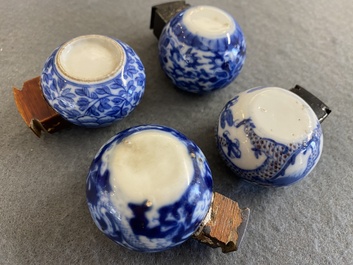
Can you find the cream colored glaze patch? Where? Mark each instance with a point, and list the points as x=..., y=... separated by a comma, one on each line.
x=281, y=115
x=150, y=166
x=90, y=58
x=208, y=21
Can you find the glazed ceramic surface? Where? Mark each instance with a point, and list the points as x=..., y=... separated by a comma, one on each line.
x=269, y=136
x=202, y=49
x=93, y=80
x=149, y=188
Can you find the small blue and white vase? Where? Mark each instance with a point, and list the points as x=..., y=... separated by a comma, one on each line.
x=149, y=188
x=202, y=49
x=269, y=136
x=93, y=80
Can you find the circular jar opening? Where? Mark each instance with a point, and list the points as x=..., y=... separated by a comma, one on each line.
x=208, y=21
x=90, y=58
x=281, y=115
x=150, y=166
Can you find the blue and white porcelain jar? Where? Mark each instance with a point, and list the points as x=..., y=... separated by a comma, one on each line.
x=149, y=188
x=93, y=80
x=202, y=49
x=269, y=136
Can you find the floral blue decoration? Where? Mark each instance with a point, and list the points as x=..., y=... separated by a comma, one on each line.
x=176, y=222
x=95, y=104
x=198, y=64
x=280, y=158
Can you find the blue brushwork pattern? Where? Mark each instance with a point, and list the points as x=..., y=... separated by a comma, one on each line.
x=198, y=64
x=127, y=223
x=279, y=157
x=95, y=104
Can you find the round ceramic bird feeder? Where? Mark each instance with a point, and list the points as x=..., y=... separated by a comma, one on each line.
x=149, y=189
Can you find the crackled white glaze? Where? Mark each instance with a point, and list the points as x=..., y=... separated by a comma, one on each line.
x=208, y=21
x=90, y=58
x=151, y=166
